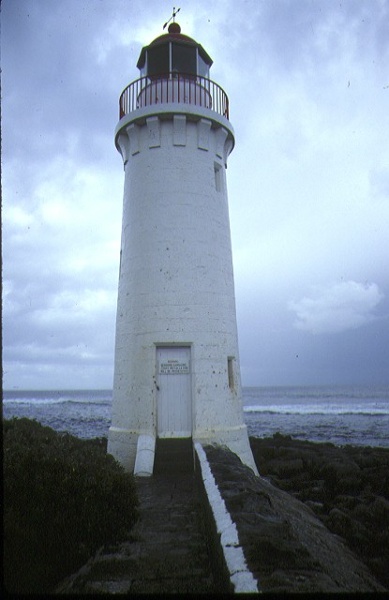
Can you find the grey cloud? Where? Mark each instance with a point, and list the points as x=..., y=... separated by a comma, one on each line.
x=307, y=33
x=342, y=306
x=54, y=85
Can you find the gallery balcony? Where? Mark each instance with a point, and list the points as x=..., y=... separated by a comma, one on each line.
x=176, y=88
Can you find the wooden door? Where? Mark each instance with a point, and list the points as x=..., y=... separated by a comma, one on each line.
x=174, y=397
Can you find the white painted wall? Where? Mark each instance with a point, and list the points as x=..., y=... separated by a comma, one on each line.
x=176, y=278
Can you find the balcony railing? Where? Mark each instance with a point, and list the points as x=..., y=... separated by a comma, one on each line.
x=174, y=87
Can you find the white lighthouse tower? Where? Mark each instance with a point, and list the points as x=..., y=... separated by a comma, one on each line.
x=177, y=371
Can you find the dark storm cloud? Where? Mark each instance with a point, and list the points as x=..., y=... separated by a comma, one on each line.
x=51, y=80
x=63, y=71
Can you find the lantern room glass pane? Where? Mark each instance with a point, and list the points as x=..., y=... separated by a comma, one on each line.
x=203, y=68
x=158, y=60
x=184, y=59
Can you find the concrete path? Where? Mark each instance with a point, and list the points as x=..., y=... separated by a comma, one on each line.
x=167, y=552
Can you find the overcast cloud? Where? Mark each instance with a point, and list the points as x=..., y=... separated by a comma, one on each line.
x=308, y=182
x=342, y=306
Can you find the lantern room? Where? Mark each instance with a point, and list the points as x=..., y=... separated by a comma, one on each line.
x=174, y=69
x=174, y=53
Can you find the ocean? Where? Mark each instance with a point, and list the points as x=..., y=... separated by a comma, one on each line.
x=356, y=415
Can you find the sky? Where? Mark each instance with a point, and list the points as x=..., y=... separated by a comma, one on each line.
x=308, y=183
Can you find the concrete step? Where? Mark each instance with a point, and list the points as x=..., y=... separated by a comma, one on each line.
x=173, y=455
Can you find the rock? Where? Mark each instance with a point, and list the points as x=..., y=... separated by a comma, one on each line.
x=339, y=522
x=286, y=468
x=380, y=511
x=286, y=546
x=354, y=480
x=347, y=502
x=317, y=507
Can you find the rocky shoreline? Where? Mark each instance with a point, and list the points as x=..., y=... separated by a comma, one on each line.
x=315, y=521
x=288, y=548
x=347, y=488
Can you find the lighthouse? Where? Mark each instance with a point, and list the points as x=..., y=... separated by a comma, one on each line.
x=177, y=372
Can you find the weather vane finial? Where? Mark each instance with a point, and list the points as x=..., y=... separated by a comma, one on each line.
x=173, y=16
